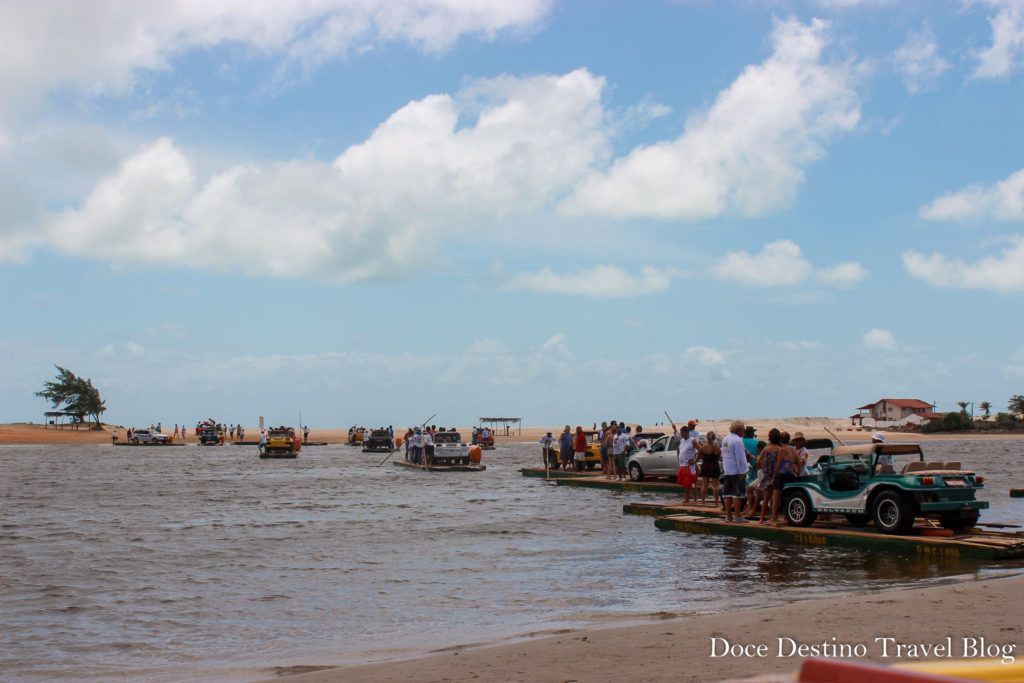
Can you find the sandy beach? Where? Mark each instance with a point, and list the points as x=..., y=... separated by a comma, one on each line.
x=29, y=433
x=958, y=613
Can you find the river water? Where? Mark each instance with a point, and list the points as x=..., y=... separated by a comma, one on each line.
x=180, y=563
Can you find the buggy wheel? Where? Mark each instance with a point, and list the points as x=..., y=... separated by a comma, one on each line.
x=799, y=511
x=892, y=513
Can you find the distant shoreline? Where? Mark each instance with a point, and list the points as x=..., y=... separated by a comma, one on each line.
x=38, y=434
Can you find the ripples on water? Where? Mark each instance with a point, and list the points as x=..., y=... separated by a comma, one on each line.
x=164, y=564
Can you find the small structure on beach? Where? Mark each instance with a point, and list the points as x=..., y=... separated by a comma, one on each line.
x=55, y=418
x=506, y=424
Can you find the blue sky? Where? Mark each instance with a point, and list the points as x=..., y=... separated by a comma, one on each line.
x=368, y=212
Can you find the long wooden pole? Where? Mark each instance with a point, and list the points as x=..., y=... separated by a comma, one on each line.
x=396, y=448
x=841, y=442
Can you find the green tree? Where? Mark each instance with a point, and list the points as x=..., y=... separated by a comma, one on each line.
x=986, y=407
x=963, y=406
x=1006, y=420
x=1016, y=404
x=72, y=394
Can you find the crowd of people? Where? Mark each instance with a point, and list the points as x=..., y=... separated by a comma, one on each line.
x=419, y=443
x=743, y=473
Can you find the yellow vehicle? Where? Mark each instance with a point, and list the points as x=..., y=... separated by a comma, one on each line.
x=593, y=457
x=356, y=436
x=282, y=442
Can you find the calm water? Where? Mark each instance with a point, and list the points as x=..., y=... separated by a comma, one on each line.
x=190, y=562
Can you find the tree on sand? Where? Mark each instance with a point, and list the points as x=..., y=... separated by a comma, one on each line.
x=1016, y=404
x=74, y=395
x=985, y=407
x=963, y=406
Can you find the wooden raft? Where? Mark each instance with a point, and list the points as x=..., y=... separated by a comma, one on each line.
x=989, y=545
x=597, y=480
x=440, y=468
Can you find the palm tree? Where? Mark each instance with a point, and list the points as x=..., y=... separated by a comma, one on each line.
x=963, y=406
x=986, y=407
x=1016, y=404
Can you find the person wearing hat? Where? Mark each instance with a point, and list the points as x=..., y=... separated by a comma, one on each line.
x=799, y=442
x=416, y=446
x=734, y=466
x=579, y=448
x=884, y=460
x=547, y=443
x=694, y=434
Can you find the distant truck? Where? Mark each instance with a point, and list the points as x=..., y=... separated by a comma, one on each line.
x=211, y=436
x=484, y=438
x=378, y=440
x=282, y=442
x=449, y=449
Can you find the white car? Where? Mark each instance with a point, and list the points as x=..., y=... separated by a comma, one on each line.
x=657, y=460
x=449, y=449
x=141, y=435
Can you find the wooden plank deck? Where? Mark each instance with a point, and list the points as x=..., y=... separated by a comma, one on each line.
x=440, y=468
x=597, y=480
x=990, y=545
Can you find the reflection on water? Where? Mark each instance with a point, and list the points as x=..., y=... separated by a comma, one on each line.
x=159, y=564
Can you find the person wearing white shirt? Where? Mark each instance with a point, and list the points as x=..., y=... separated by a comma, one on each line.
x=547, y=443
x=687, y=476
x=620, y=451
x=734, y=465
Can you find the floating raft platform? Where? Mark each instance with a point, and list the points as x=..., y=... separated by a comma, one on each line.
x=987, y=545
x=597, y=480
x=161, y=445
x=440, y=468
x=1016, y=493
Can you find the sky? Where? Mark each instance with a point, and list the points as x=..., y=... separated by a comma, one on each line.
x=369, y=211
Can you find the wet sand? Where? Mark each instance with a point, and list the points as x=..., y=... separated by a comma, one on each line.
x=957, y=614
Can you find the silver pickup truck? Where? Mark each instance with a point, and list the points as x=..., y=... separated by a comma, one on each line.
x=141, y=435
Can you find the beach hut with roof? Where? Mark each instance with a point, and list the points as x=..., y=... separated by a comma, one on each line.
x=893, y=412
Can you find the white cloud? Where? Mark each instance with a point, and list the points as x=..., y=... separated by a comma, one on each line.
x=748, y=152
x=486, y=346
x=705, y=355
x=1007, y=50
x=919, y=61
x=598, y=282
x=779, y=263
x=1003, y=201
x=782, y=263
x=803, y=345
x=1003, y=273
x=98, y=47
x=380, y=210
x=843, y=275
x=880, y=340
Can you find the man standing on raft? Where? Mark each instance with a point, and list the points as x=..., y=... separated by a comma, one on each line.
x=734, y=464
